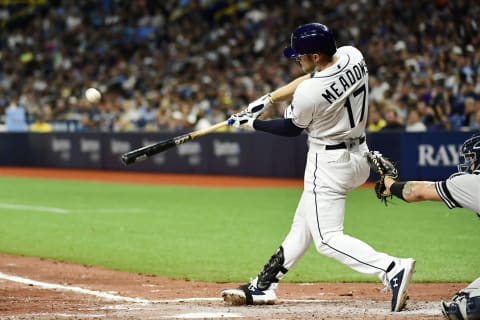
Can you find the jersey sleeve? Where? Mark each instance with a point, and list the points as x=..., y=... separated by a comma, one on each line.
x=445, y=194
x=460, y=191
x=301, y=110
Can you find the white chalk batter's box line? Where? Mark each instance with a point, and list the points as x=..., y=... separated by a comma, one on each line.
x=141, y=301
x=25, y=207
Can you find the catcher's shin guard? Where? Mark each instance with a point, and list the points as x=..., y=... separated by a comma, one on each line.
x=473, y=308
x=273, y=271
x=465, y=305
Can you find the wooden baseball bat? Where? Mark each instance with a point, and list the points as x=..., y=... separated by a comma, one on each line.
x=146, y=152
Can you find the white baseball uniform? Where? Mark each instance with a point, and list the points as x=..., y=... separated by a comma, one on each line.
x=332, y=107
x=461, y=190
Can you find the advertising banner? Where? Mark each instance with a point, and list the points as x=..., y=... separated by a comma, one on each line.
x=418, y=156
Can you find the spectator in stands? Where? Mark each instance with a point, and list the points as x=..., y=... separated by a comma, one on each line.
x=58, y=50
x=107, y=116
x=147, y=114
x=40, y=124
x=414, y=122
x=393, y=120
x=88, y=115
x=475, y=124
x=375, y=121
x=469, y=116
x=15, y=117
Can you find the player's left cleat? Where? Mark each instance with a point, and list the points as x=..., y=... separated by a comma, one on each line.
x=401, y=276
x=249, y=294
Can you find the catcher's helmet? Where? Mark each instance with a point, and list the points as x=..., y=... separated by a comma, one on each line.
x=311, y=38
x=470, y=152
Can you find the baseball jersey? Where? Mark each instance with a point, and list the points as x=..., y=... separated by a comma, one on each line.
x=461, y=190
x=332, y=105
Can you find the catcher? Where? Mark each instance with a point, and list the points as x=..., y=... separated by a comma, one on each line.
x=460, y=190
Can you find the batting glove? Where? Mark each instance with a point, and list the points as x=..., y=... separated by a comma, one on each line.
x=257, y=107
x=242, y=120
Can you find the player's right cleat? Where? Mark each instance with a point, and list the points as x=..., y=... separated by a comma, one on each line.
x=249, y=294
x=401, y=276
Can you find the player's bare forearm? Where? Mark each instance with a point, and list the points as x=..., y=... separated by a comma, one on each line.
x=414, y=191
x=286, y=92
x=420, y=191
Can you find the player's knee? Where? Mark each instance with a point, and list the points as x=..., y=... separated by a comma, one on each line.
x=327, y=238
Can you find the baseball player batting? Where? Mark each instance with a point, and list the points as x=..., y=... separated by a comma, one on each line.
x=460, y=190
x=329, y=103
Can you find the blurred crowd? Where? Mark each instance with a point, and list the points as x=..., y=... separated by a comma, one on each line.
x=185, y=64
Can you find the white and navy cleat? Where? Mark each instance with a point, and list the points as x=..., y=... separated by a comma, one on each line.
x=402, y=274
x=248, y=294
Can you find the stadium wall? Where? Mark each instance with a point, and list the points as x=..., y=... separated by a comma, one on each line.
x=425, y=156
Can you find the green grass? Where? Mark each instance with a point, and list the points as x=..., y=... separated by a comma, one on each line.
x=218, y=234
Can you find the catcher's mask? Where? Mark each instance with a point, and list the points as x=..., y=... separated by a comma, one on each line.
x=470, y=152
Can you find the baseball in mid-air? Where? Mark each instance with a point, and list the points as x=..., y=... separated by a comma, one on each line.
x=93, y=95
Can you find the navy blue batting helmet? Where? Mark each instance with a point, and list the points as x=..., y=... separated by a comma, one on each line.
x=311, y=38
x=470, y=153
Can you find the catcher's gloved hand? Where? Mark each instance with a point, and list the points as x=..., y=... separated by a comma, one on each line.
x=242, y=120
x=257, y=107
x=384, y=168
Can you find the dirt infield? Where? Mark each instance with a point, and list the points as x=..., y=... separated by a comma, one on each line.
x=35, y=288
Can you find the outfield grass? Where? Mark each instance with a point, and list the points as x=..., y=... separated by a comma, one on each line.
x=217, y=234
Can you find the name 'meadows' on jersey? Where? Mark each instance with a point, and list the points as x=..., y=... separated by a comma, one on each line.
x=332, y=105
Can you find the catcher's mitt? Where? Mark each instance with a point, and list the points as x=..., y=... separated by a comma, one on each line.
x=384, y=168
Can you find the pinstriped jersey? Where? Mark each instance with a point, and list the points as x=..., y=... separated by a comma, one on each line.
x=332, y=105
x=461, y=190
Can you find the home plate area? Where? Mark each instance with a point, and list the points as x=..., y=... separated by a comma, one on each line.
x=313, y=309
x=41, y=289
